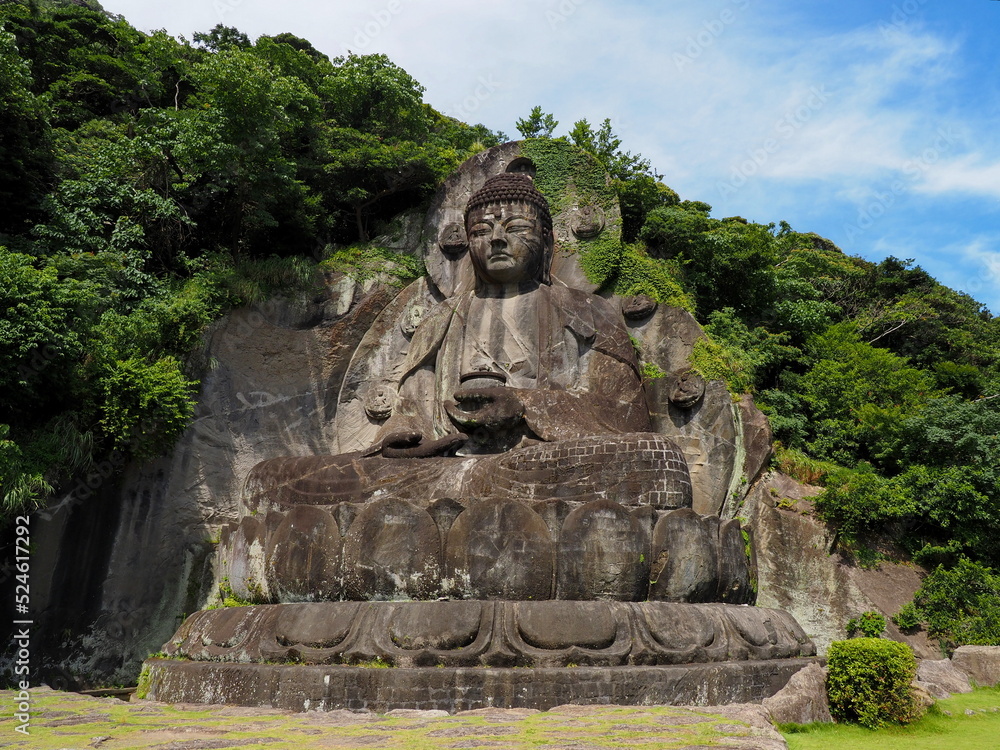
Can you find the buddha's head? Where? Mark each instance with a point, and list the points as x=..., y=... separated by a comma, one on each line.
x=510, y=231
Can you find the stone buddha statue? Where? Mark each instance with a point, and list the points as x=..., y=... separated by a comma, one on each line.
x=499, y=497
x=520, y=416
x=517, y=360
x=494, y=378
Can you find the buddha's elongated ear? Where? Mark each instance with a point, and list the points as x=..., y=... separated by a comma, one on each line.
x=548, y=250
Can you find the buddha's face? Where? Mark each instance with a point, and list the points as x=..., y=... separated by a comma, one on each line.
x=507, y=242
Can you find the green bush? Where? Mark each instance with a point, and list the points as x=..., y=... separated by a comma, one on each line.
x=869, y=682
x=907, y=618
x=869, y=624
x=961, y=604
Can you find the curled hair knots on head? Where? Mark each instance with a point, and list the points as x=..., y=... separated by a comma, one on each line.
x=511, y=187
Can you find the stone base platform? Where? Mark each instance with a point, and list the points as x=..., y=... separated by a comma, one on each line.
x=459, y=655
x=298, y=687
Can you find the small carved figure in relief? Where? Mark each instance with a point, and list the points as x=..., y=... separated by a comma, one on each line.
x=588, y=222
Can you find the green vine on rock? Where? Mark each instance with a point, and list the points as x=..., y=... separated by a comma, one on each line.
x=569, y=177
x=714, y=360
x=363, y=262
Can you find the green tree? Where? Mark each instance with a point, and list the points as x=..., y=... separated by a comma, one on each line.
x=43, y=321
x=606, y=146
x=222, y=37
x=960, y=604
x=537, y=124
x=84, y=63
x=26, y=161
x=239, y=142
x=857, y=395
x=377, y=140
x=40, y=338
x=636, y=182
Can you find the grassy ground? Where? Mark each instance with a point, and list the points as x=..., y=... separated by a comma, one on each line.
x=70, y=721
x=936, y=731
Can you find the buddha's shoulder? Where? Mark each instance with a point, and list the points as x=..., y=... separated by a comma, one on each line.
x=603, y=311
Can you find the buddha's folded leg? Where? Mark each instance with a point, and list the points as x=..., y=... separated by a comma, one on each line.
x=632, y=469
x=351, y=477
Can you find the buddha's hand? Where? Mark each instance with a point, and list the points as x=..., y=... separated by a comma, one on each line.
x=489, y=408
x=413, y=445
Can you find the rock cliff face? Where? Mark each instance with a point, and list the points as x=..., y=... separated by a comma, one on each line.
x=271, y=389
x=797, y=572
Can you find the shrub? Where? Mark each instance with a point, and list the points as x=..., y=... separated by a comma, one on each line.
x=961, y=604
x=869, y=624
x=907, y=618
x=869, y=682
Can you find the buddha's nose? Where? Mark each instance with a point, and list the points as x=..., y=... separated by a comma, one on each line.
x=499, y=237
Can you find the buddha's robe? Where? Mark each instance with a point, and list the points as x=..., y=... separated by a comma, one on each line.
x=566, y=352
x=567, y=357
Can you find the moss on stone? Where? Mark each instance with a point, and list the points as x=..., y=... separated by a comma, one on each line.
x=569, y=177
x=363, y=262
x=714, y=360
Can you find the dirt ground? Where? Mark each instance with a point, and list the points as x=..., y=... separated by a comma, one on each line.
x=71, y=721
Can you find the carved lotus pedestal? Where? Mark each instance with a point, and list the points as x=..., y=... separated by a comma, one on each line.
x=458, y=655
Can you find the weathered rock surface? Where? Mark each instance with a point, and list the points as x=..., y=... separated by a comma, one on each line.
x=797, y=572
x=271, y=390
x=803, y=700
x=705, y=430
x=322, y=688
x=981, y=663
x=922, y=697
x=487, y=549
x=941, y=678
x=727, y=445
x=490, y=633
x=757, y=438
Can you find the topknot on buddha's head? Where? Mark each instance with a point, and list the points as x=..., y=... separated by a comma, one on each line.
x=511, y=187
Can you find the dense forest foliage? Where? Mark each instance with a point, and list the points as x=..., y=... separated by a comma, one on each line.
x=150, y=183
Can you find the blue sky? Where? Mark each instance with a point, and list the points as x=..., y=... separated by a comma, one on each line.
x=875, y=124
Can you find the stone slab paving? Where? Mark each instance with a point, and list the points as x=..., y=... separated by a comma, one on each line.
x=68, y=721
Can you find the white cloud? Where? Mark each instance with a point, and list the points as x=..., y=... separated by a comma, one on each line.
x=976, y=270
x=969, y=174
